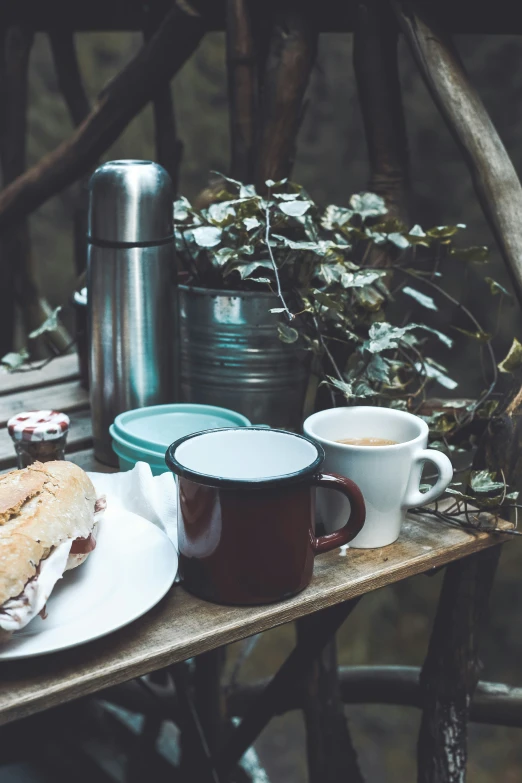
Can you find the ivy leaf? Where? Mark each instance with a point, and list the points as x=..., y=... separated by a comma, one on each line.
x=295, y=208
x=245, y=270
x=378, y=369
x=221, y=212
x=335, y=216
x=495, y=287
x=14, y=360
x=478, y=254
x=425, y=301
x=49, y=325
x=223, y=256
x=398, y=240
x=513, y=361
x=433, y=372
x=416, y=231
x=327, y=301
x=181, y=209
x=277, y=310
x=251, y=223
x=247, y=191
x=484, y=481
x=271, y=184
x=343, y=386
x=287, y=334
x=207, y=236
x=368, y=205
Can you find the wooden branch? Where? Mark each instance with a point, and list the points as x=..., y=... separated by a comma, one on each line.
x=377, y=76
x=291, y=56
x=451, y=669
x=330, y=751
x=242, y=88
x=494, y=177
x=493, y=702
x=177, y=38
x=287, y=679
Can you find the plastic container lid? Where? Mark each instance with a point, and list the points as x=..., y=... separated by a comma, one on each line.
x=36, y=426
x=154, y=428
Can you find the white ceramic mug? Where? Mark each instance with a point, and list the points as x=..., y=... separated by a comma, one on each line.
x=389, y=476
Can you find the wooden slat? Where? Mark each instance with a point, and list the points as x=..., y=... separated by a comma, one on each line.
x=63, y=368
x=62, y=397
x=80, y=437
x=182, y=626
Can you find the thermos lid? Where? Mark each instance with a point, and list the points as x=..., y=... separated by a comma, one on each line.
x=130, y=202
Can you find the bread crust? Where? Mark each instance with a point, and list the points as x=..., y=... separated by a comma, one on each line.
x=40, y=507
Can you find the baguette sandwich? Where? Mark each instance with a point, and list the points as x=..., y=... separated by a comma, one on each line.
x=48, y=517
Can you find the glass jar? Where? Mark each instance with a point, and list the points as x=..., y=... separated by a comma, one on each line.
x=39, y=436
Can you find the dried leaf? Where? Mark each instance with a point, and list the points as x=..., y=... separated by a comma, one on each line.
x=513, y=360
x=478, y=254
x=14, y=360
x=287, y=334
x=495, y=287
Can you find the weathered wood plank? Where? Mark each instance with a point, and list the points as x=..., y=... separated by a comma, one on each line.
x=182, y=626
x=80, y=437
x=65, y=397
x=59, y=370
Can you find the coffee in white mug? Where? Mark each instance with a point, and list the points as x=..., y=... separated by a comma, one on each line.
x=389, y=477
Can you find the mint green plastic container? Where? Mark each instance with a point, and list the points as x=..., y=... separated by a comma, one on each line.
x=144, y=434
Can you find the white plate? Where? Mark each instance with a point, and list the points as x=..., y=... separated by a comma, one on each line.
x=133, y=566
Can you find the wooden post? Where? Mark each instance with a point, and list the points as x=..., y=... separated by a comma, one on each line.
x=72, y=88
x=242, y=88
x=451, y=669
x=377, y=76
x=494, y=177
x=287, y=680
x=331, y=755
x=292, y=52
x=169, y=149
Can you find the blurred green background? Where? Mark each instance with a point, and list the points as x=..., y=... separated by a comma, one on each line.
x=391, y=625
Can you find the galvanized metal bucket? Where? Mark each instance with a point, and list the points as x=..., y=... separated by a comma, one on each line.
x=231, y=355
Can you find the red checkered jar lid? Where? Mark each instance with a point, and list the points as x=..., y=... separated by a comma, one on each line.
x=38, y=425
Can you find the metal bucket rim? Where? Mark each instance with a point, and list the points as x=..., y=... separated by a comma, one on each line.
x=227, y=292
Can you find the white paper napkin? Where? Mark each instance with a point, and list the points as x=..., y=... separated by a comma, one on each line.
x=137, y=490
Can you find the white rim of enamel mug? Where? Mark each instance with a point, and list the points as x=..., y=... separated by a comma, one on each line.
x=331, y=412
x=243, y=483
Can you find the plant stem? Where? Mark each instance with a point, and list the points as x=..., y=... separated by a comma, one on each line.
x=276, y=271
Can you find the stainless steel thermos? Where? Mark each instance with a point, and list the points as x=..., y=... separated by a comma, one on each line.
x=132, y=294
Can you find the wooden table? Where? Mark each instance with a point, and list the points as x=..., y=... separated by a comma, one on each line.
x=182, y=626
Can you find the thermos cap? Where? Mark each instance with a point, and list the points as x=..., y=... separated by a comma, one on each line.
x=130, y=202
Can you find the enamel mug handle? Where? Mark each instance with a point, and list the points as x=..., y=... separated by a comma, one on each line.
x=357, y=511
x=414, y=497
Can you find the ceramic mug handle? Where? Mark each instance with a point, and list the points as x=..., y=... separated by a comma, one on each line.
x=414, y=497
x=357, y=511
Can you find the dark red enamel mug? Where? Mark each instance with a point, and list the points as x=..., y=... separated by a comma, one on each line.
x=246, y=513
